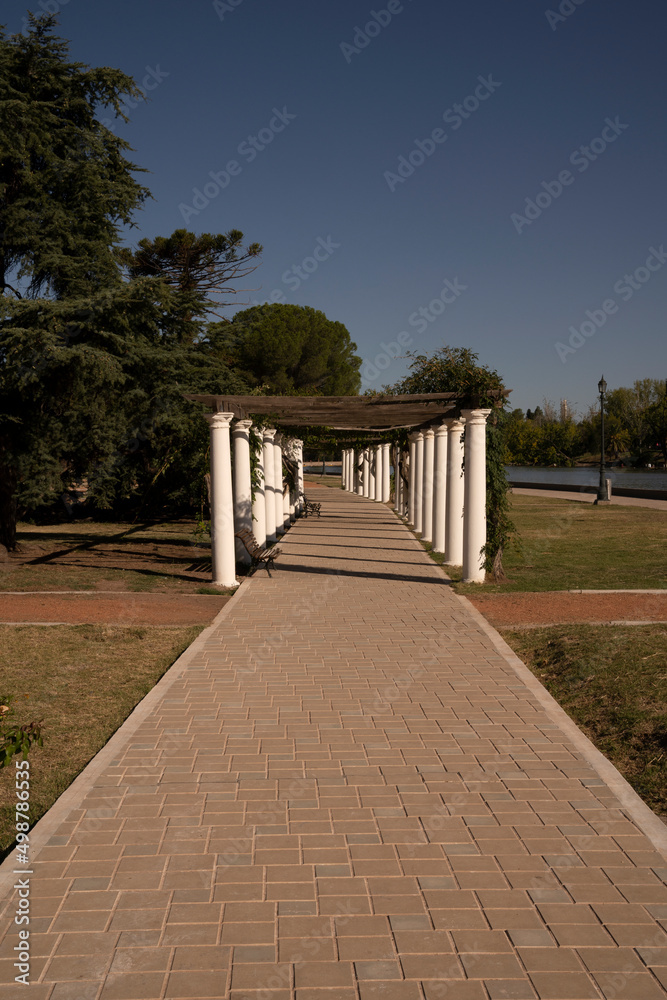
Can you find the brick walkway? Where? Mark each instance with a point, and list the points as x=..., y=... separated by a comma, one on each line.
x=350, y=794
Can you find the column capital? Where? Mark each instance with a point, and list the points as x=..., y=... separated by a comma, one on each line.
x=455, y=423
x=278, y=439
x=242, y=426
x=442, y=429
x=269, y=433
x=428, y=432
x=217, y=420
x=475, y=417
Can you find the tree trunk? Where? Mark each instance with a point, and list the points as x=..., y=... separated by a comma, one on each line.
x=7, y=508
x=498, y=572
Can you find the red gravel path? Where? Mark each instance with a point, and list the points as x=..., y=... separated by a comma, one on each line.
x=184, y=609
x=554, y=607
x=111, y=609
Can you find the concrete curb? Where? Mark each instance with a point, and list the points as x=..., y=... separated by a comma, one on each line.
x=71, y=798
x=644, y=818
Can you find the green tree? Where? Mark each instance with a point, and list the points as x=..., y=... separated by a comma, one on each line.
x=291, y=349
x=105, y=381
x=656, y=417
x=638, y=417
x=199, y=267
x=65, y=184
x=456, y=369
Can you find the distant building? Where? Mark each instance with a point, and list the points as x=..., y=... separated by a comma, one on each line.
x=564, y=410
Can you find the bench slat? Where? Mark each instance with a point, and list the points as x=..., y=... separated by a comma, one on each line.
x=259, y=556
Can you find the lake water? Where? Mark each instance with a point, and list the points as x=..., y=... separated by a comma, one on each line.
x=640, y=479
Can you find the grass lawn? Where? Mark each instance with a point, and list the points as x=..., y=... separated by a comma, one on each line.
x=83, y=681
x=613, y=682
x=84, y=555
x=570, y=545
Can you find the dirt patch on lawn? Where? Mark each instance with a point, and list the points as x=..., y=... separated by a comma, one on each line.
x=561, y=607
x=111, y=609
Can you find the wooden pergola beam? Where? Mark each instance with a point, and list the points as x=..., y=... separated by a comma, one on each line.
x=369, y=414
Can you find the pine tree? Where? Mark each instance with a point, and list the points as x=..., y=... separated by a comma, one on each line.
x=92, y=372
x=65, y=184
x=291, y=349
x=198, y=266
x=91, y=392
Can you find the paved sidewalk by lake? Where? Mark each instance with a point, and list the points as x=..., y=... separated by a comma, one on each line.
x=346, y=790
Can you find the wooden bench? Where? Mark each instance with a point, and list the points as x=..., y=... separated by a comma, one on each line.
x=309, y=506
x=259, y=556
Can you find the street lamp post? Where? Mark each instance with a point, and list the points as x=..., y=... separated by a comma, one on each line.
x=602, y=487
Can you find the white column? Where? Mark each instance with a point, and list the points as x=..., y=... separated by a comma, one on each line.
x=223, y=559
x=242, y=487
x=288, y=451
x=440, y=487
x=351, y=468
x=359, y=468
x=371, y=472
x=404, y=494
x=269, y=489
x=386, y=472
x=396, y=452
x=412, y=469
x=419, y=483
x=474, y=503
x=287, y=516
x=367, y=473
x=343, y=468
x=293, y=494
x=454, y=502
x=379, y=472
x=427, y=490
x=278, y=483
x=299, y=477
x=258, y=500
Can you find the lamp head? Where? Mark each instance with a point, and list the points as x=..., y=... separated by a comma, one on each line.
x=602, y=386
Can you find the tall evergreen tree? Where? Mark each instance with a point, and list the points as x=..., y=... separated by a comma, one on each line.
x=92, y=372
x=201, y=267
x=91, y=390
x=65, y=184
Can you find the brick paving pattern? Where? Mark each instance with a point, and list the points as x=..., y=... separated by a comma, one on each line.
x=349, y=795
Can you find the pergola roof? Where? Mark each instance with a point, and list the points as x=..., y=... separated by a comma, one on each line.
x=348, y=413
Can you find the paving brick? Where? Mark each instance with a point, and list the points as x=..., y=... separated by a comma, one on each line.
x=324, y=974
x=564, y=986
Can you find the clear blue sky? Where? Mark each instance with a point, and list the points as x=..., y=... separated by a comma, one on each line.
x=328, y=178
